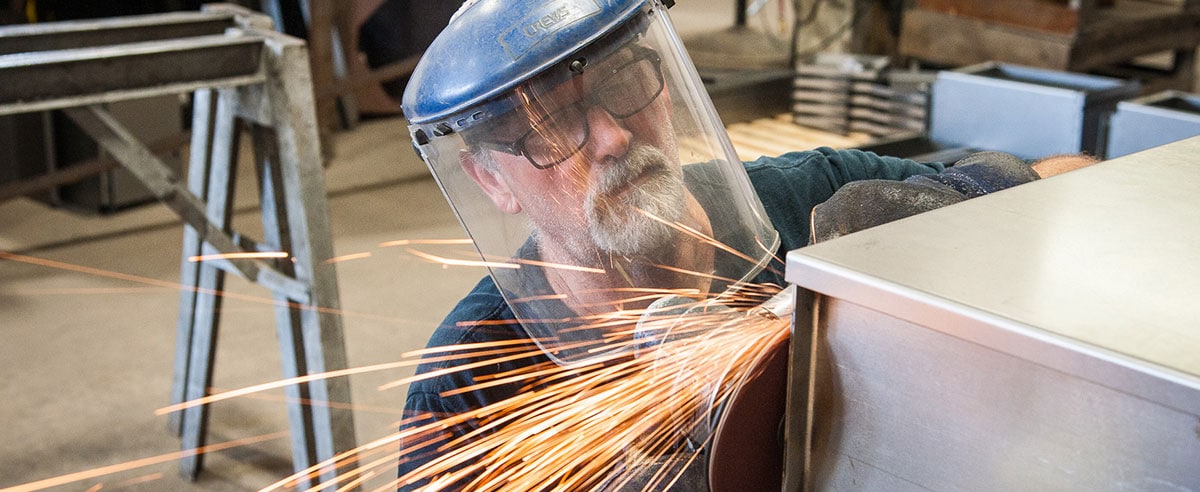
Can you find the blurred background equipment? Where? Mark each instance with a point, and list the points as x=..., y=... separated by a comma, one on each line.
x=1028, y=112
x=745, y=66
x=845, y=93
x=1152, y=41
x=1153, y=120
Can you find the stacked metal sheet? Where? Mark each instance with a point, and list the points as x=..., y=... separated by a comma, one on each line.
x=845, y=93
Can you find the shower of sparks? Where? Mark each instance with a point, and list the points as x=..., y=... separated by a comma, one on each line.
x=599, y=426
x=620, y=420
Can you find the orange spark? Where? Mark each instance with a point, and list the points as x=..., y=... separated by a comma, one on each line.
x=560, y=266
x=354, y=256
x=323, y=403
x=254, y=255
x=142, y=479
x=410, y=242
x=705, y=238
x=451, y=261
x=92, y=290
x=280, y=384
x=4, y=255
x=130, y=465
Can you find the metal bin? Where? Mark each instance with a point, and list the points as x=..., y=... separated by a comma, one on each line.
x=1027, y=112
x=1153, y=120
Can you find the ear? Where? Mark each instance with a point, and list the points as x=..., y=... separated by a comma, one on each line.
x=490, y=181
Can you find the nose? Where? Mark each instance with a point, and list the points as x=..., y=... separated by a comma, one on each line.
x=608, y=137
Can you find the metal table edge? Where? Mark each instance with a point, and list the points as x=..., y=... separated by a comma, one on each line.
x=1120, y=372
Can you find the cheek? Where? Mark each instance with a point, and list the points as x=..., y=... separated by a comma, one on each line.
x=653, y=125
x=569, y=186
x=556, y=191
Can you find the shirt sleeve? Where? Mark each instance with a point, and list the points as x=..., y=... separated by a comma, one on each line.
x=792, y=184
x=868, y=203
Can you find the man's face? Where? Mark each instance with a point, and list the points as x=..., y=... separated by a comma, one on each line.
x=596, y=154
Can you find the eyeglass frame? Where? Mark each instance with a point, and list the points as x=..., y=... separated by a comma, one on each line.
x=517, y=147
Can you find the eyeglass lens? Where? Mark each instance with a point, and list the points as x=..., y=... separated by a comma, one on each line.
x=557, y=137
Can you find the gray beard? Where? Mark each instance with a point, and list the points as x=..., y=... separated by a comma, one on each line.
x=612, y=204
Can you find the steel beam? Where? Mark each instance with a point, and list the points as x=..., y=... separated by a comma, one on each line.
x=67, y=78
x=65, y=35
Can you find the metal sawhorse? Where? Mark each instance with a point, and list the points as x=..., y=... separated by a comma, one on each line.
x=244, y=77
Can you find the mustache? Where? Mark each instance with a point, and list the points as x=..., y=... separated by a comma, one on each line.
x=644, y=179
x=621, y=172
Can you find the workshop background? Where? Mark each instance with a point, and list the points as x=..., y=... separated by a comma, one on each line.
x=89, y=292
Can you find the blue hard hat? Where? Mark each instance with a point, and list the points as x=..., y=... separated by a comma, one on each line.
x=491, y=46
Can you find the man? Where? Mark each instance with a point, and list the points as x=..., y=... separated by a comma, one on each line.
x=579, y=149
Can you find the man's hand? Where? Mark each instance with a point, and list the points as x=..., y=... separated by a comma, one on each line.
x=1058, y=164
x=863, y=204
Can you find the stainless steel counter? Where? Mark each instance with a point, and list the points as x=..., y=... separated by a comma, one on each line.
x=1042, y=338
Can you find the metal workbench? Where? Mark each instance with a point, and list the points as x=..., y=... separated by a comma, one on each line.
x=1046, y=337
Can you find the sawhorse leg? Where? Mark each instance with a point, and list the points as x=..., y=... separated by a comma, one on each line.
x=288, y=328
x=203, y=110
x=201, y=296
x=203, y=290
x=303, y=193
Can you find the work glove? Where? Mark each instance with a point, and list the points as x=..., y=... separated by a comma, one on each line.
x=864, y=204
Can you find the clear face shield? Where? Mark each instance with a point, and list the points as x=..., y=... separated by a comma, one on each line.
x=603, y=190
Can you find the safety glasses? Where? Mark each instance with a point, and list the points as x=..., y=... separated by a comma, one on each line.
x=628, y=90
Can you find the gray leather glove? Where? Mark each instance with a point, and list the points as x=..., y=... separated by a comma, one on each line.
x=863, y=204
